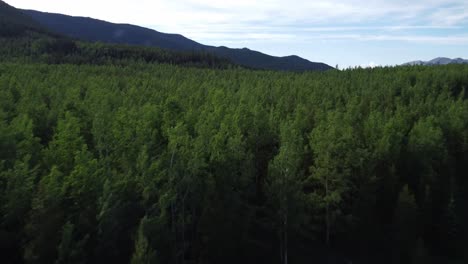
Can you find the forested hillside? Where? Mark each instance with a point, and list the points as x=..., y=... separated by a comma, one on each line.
x=89, y=29
x=39, y=48
x=14, y=23
x=22, y=39
x=153, y=163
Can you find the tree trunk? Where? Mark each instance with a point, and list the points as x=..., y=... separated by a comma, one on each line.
x=281, y=247
x=286, y=238
x=327, y=215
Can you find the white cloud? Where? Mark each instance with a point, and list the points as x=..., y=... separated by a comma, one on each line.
x=242, y=40
x=271, y=12
x=450, y=15
x=370, y=65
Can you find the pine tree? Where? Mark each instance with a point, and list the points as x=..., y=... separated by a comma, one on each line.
x=284, y=185
x=406, y=226
x=143, y=253
x=330, y=172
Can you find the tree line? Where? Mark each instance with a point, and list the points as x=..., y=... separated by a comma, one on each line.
x=23, y=45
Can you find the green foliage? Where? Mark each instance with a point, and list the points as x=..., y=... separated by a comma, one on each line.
x=406, y=226
x=143, y=252
x=18, y=192
x=332, y=144
x=284, y=187
x=70, y=251
x=46, y=219
x=35, y=46
x=145, y=163
x=66, y=142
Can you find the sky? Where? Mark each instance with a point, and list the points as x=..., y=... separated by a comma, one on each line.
x=346, y=33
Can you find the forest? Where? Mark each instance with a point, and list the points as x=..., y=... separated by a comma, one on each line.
x=125, y=154
x=148, y=162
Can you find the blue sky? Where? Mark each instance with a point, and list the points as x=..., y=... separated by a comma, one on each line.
x=344, y=33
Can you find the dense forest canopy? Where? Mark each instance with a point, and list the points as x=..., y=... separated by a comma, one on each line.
x=153, y=163
x=121, y=154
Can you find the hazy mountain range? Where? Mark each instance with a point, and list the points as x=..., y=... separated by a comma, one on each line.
x=438, y=61
x=90, y=29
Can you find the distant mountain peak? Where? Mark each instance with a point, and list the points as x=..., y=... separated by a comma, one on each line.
x=438, y=61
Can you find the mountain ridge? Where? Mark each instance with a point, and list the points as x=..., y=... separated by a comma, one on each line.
x=13, y=22
x=437, y=61
x=94, y=30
